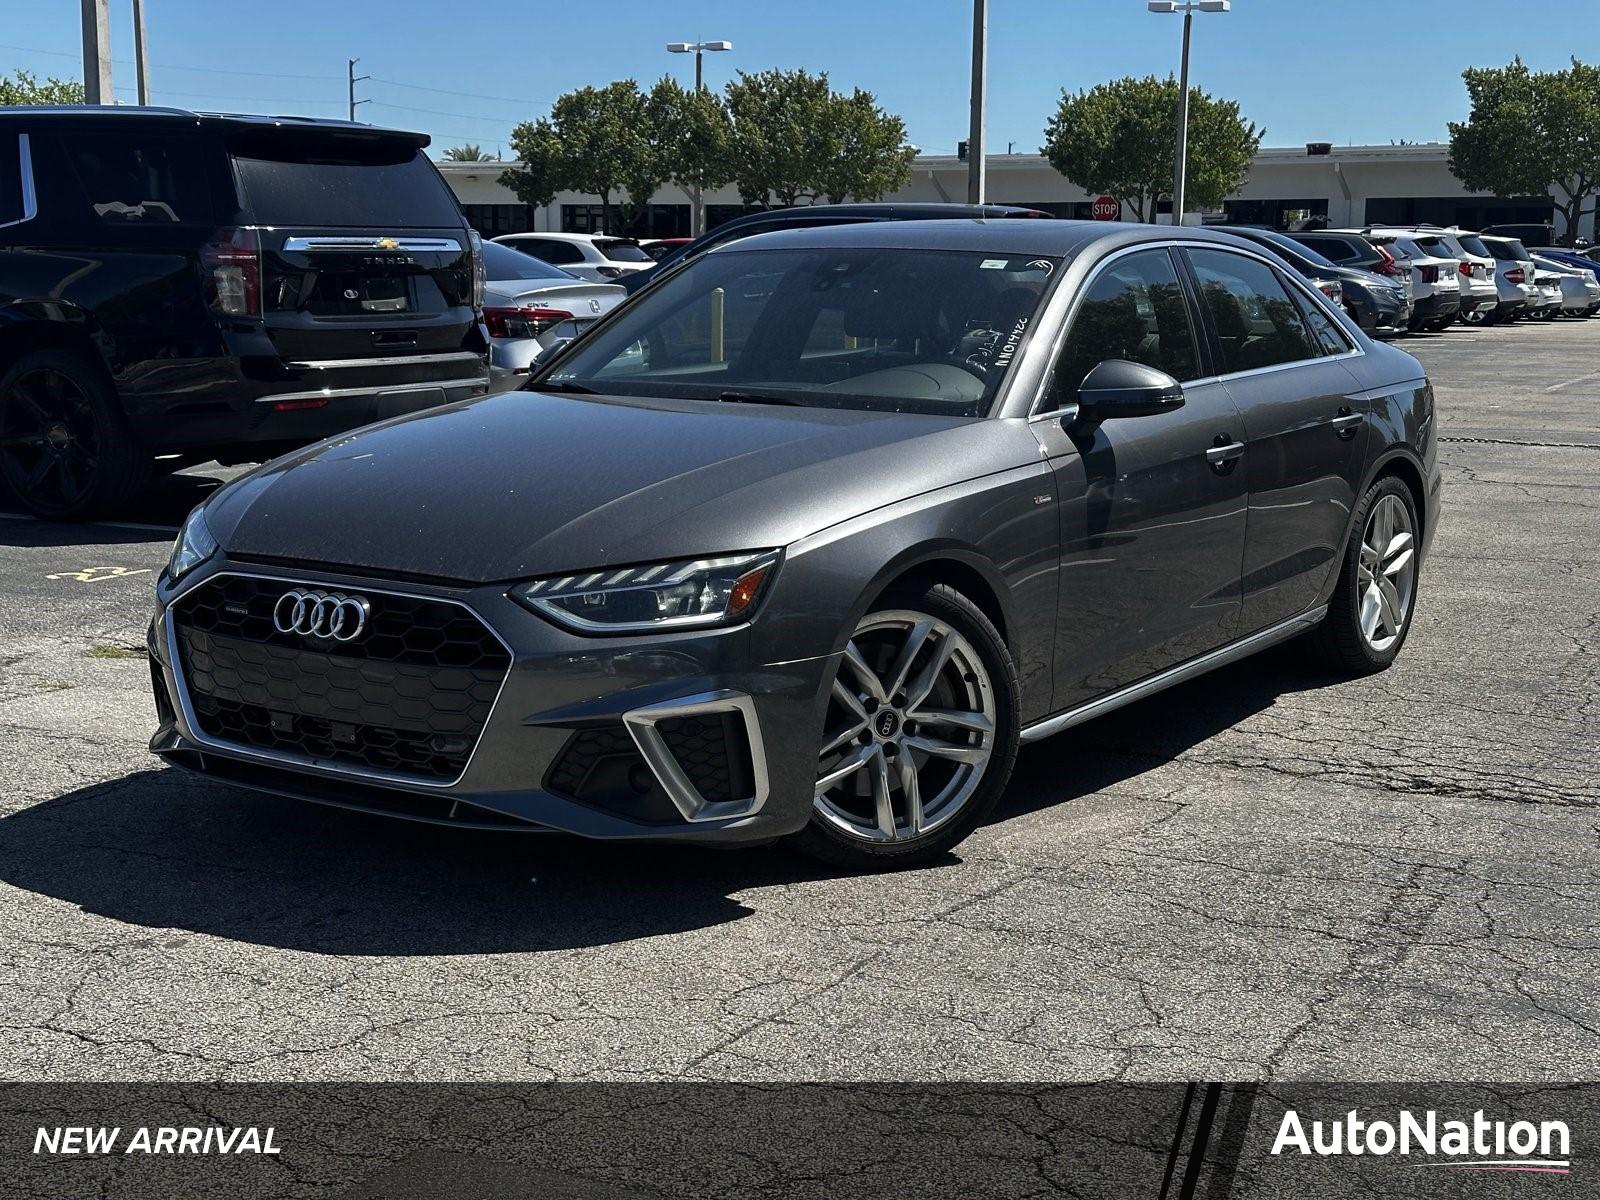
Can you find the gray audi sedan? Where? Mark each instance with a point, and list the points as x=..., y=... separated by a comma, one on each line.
x=805, y=538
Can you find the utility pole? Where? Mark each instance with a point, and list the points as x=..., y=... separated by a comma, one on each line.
x=976, y=182
x=140, y=66
x=1182, y=156
x=350, y=72
x=97, y=52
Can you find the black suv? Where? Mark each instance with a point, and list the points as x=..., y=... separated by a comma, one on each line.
x=182, y=287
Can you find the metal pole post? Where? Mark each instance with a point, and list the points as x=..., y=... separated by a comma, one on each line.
x=140, y=65
x=976, y=182
x=350, y=74
x=697, y=207
x=97, y=53
x=1182, y=161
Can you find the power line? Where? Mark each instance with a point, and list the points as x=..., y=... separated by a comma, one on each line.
x=434, y=112
x=172, y=66
x=447, y=92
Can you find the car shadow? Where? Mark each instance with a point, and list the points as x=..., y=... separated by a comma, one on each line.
x=165, y=849
x=166, y=503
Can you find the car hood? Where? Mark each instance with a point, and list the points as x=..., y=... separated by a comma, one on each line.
x=526, y=483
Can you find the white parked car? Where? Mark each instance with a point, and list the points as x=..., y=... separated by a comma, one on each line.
x=530, y=307
x=1513, y=268
x=1435, y=275
x=1480, y=296
x=586, y=255
x=1580, y=290
x=1549, y=285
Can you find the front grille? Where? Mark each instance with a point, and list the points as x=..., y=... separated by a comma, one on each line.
x=409, y=697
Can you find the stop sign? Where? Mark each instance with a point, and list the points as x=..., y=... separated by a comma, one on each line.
x=1106, y=208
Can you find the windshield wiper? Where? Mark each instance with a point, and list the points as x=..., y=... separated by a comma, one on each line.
x=562, y=385
x=755, y=398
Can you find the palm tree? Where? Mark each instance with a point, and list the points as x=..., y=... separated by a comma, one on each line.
x=467, y=153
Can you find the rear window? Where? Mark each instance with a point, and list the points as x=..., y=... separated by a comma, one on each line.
x=332, y=180
x=1298, y=250
x=1506, y=250
x=503, y=262
x=1434, y=248
x=141, y=180
x=621, y=251
x=1335, y=249
x=1473, y=246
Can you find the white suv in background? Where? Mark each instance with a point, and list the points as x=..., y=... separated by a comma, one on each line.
x=1479, y=297
x=1513, y=268
x=1436, y=289
x=592, y=256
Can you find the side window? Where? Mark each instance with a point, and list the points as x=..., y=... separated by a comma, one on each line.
x=558, y=252
x=140, y=180
x=1258, y=323
x=10, y=180
x=1330, y=338
x=1135, y=309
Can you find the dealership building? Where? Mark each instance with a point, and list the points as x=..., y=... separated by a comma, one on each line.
x=1346, y=185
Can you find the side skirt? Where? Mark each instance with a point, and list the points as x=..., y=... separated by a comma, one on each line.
x=1219, y=657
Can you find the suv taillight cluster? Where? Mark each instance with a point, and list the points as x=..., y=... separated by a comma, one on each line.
x=480, y=269
x=232, y=262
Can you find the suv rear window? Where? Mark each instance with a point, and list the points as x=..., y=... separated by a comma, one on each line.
x=142, y=180
x=10, y=179
x=333, y=180
x=1473, y=246
x=1435, y=248
x=1335, y=249
x=620, y=251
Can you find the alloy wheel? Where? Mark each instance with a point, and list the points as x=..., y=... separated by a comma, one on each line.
x=49, y=449
x=910, y=729
x=1386, y=572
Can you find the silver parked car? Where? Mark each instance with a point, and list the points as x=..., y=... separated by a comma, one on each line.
x=530, y=306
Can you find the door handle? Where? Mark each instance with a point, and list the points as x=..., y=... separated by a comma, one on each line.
x=1223, y=455
x=1347, y=422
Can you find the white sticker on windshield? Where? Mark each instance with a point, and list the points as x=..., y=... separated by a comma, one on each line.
x=993, y=264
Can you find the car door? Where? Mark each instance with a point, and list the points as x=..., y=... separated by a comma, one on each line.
x=1152, y=508
x=1281, y=356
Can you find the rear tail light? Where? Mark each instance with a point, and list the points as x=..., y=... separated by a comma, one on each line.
x=1515, y=275
x=609, y=272
x=522, y=322
x=1385, y=265
x=1466, y=269
x=232, y=262
x=1332, y=289
x=1430, y=272
x=480, y=270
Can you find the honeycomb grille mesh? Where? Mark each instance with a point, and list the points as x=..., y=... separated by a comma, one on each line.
x=409, y=697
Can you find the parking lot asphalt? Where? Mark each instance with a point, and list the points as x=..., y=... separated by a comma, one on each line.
x=1262, y=874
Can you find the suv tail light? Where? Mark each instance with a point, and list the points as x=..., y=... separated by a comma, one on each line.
x=1515, y=275
x=1430, y=272
x=1385, y=265
x=1332, y=289
x=232, y=262
x=522, y=322
x=480, y=269
x=1466, y=269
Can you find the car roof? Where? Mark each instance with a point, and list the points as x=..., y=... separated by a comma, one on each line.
x=123, y=114
x=1054, y=237
x=586, y=238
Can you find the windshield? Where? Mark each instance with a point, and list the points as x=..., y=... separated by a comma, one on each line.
x=904, y=330
x=501, y=262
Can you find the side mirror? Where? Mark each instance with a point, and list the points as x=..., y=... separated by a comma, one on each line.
x=1119, y=388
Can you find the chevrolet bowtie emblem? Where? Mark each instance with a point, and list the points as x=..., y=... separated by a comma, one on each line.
x=388, y=244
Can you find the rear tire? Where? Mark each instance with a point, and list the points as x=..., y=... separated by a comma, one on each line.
x=1370, y=612
x=932, y=765
x=66, y=452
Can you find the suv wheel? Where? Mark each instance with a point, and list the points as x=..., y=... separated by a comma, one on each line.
x=65, y=450
x=920, y=735
x=1370, y=613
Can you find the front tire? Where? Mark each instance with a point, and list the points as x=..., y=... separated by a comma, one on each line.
x=66, y=451
x=920, y=735
x=1370, y=613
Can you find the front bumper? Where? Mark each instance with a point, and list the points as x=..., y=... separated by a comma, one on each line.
x=627, y=702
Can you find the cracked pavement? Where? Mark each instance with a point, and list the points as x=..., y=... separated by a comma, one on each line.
x=1265, y=874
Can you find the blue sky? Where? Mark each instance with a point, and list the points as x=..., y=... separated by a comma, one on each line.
x=467, y=72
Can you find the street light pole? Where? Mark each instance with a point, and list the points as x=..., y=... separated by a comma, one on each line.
x=140, y=67
x=1181, y=158
x=97, y=53
x=977, y=182
x=697, y=208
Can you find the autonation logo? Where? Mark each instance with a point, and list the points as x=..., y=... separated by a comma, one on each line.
x=1478, y=1144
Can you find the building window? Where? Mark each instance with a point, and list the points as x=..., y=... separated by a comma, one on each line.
x=1279, y=214
x=1469, y=212
x=492, y=220
x=658, y=221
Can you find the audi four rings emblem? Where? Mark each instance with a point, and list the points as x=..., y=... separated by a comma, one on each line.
x=331, y=616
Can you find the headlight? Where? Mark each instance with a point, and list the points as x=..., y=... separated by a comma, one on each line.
x=687, y=594
x=194, y=545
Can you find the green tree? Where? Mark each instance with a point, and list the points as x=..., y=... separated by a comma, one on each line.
x=23, y=87
x=1119, y=138
x=1531, y=133
x=795, y=139
x=468, y=153
x=693, y=135
x=597, y=141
